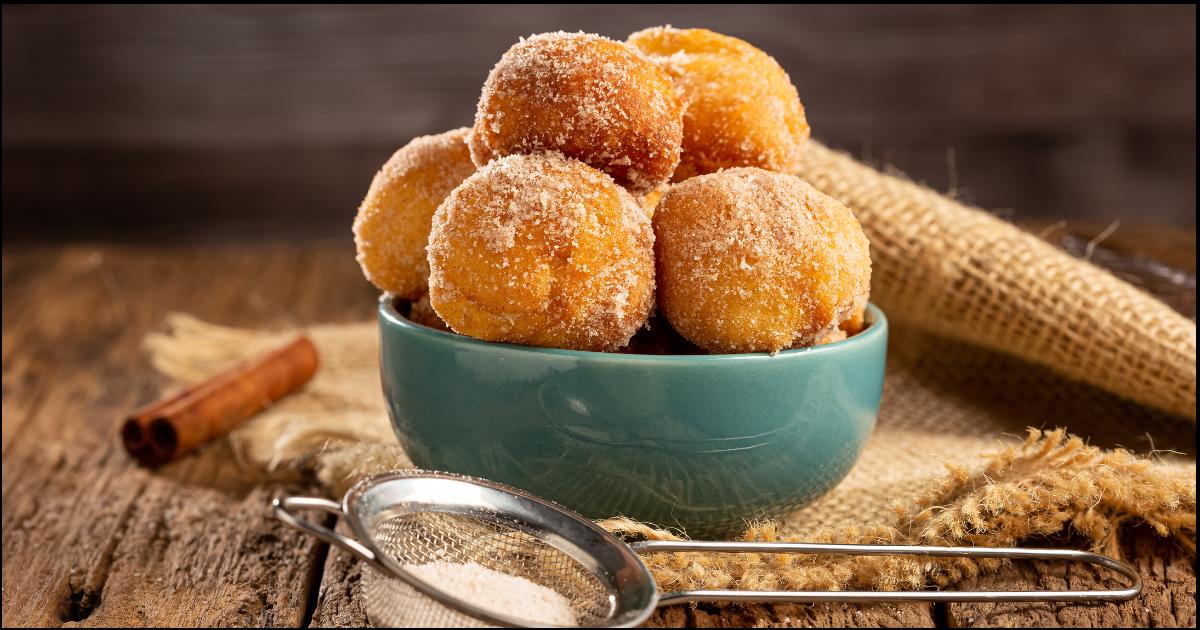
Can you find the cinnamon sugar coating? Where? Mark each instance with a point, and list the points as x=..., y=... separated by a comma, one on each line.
x=740, y=107
x=392, y=225
x=542, y=250
x=588, y=97
x=754, y=261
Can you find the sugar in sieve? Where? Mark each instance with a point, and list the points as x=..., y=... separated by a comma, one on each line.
x=404, y=520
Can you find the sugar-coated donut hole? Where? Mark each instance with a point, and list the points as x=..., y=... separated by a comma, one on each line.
x=588, y=97
x=750, y=260
x=740, y=107
x=393, y=221
x=545, y=251
x=537, y=247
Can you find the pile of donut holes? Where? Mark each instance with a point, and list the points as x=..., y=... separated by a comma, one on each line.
x=603, y=181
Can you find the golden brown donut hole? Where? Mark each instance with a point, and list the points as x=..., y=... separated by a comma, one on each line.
x=588, y=97
x=392, y=225
x=544, y=251
x=740, y=107
x=750, y=260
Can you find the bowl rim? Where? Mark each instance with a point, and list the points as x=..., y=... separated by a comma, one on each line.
x=877, y=325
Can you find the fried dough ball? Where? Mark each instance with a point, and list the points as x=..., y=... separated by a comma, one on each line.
x=750, y=261
x=422, y=313
x=544, y=251
x=834, y=337
x=856, y=323
x=587, y=97
x=392, y=226
x=740, y=107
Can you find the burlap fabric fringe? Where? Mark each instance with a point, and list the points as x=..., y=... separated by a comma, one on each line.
x=966, y=475
x=1051, y=483
x=944, y=403
x=947, y=275
x=960, y=272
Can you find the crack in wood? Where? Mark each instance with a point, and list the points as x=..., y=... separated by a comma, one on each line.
x=316, y=573
x=194, y=543
x=940, y=613
x=90, y=539
x=83, y=599
x=1153, y=556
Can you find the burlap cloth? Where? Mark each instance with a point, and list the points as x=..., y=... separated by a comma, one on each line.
x=995, y=331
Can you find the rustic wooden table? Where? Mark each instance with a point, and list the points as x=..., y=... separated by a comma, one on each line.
x=90, y=539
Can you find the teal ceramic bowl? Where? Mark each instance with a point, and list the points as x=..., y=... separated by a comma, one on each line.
x=699, y=442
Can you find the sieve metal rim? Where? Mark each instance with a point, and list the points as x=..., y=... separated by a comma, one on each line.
x=638, y=573
x=629, y=610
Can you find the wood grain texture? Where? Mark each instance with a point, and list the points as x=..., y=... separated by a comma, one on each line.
x=340, y=601
x=88, y=537
x=1168, y=574
x=1168, y=597
x=795, y=616
x=92, y=540
x=220, y=122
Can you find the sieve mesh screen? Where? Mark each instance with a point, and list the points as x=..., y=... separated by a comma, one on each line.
x=426, y=538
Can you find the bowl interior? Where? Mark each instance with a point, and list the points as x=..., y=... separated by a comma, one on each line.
x=395, y=312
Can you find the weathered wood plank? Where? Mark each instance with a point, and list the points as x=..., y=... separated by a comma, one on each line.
x=1168, y=598
x=340, y=599
x=795, y=616
x=339, y=603
x=215, y=559
x=222, y=111
x=89, y=538
x=399, y=69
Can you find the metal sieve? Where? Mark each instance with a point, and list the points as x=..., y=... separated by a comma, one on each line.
x=415, y=517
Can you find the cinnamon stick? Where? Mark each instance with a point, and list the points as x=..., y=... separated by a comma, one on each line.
x=166, y=429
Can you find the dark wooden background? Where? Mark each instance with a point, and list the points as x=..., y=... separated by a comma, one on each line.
x=245, y=123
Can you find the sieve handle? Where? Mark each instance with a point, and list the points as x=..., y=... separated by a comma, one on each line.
x=283, y=511
x=1012, y=553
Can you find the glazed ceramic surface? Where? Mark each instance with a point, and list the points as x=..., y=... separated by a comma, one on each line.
x=701, y=442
